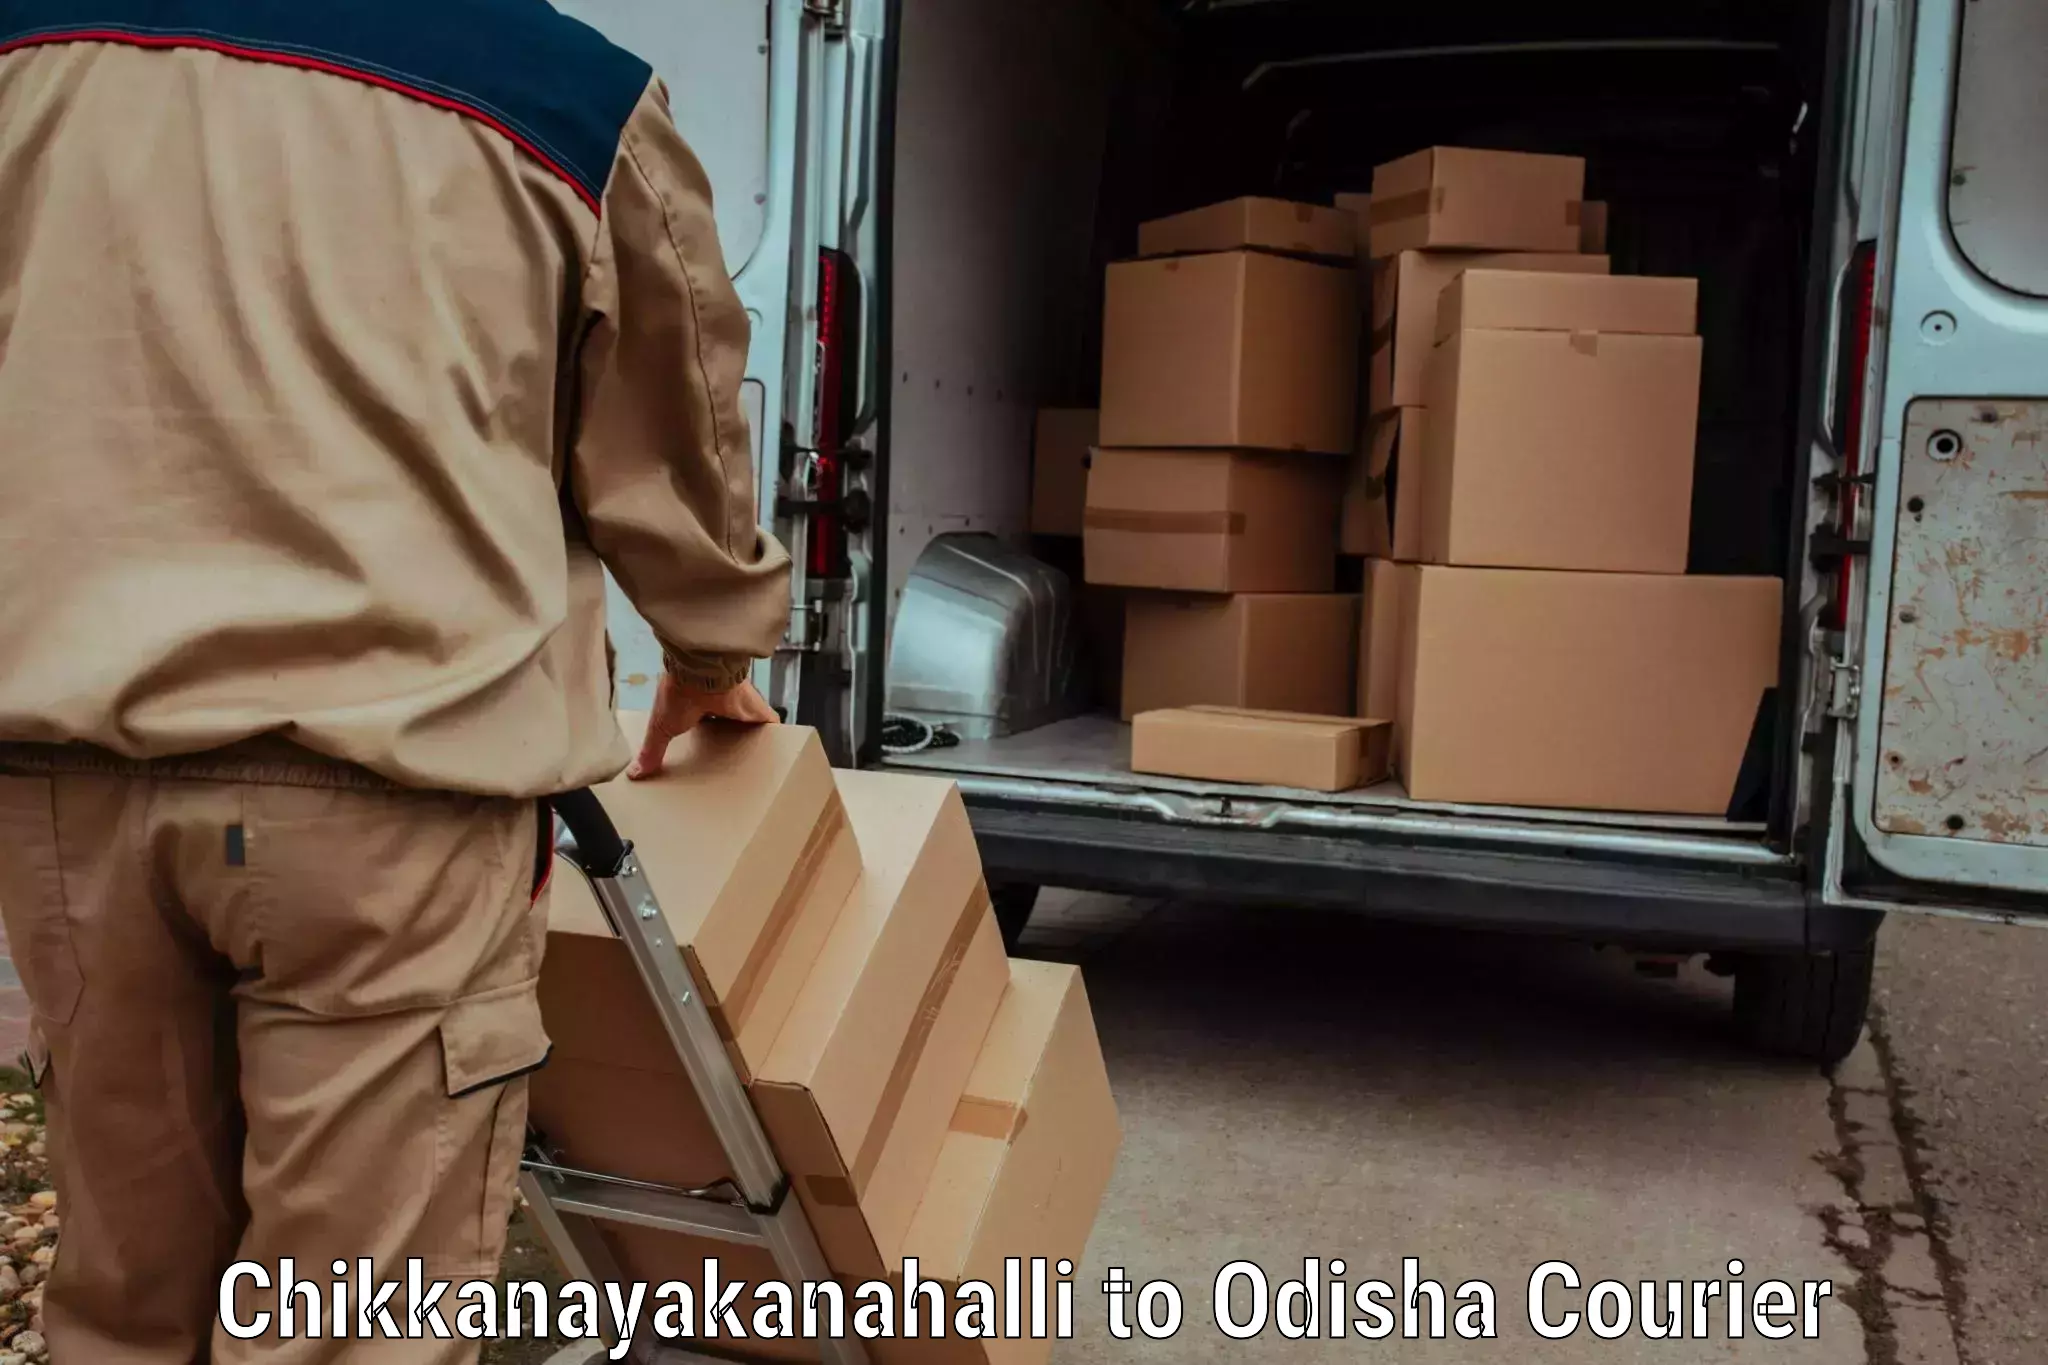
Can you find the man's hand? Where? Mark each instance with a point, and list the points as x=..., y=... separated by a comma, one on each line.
x=677, y=710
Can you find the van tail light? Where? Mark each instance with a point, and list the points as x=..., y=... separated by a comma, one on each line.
x=837, y=376
x=1852, y=383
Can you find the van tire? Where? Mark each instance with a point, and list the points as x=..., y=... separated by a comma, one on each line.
x=1013, y=902
x=1811, y=1006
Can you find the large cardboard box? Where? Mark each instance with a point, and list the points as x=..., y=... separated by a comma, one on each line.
x=1384, y=503
x=1271, y=748
x=1268, y=651
x=1544, y=301
x=1212, y=520
x=1059, y=469
x=747, y=846
x=1237, y=349
x=1555, y=448
x=752, y=858
x=859, y=1089
x=1458, y=197
x=1595, y=691
x=1030, y=1147
x=858, y=1092
x=1405, y=293
x=1256, y=223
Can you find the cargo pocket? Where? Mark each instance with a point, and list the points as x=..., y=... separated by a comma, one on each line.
x=490, y=1044
x=32, y=898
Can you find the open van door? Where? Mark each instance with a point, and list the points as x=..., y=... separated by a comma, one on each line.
x=1942, y=786
x=764, y=92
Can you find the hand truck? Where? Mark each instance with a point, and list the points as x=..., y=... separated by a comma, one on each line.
x=755, y=1206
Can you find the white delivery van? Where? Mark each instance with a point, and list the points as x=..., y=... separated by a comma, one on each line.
x=918, y=199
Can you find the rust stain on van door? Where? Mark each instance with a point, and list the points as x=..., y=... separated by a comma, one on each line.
x=1964, y=729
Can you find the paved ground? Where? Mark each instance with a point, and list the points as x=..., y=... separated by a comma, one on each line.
x=1296, y=1086
x=1301, y=1086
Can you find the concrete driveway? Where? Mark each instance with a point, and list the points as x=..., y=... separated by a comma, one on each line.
x=1301, y=1086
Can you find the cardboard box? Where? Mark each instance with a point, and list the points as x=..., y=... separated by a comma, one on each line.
x=1059, y=469
x=1593, y=227
x=751, y=855
x=1384, y=505
x=1381, y=669
x=1540, y=301
x=1254, y=223
x=1594, y=691
x=1476, y=200
x=1359, y=206
x=1240, y=349
x=1029, y=1151
x=1269, y=748
x=1561, y=449
x=1269, y=651
x=859, y=1089
x=1405, y=294
x=747, y=847
x=1030, y=1154
x=1212, y=520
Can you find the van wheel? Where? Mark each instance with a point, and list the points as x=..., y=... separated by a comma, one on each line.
x=1806, y=1005
x=1013, y=903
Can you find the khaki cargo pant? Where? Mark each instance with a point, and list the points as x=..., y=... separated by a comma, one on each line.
x=280, y=1010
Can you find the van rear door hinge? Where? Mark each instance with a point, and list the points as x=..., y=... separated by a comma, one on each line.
x=833, y=12
x=1845, y=689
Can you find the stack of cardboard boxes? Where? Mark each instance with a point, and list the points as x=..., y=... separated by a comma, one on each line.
x=928, y=1097
x=1531, y=628
x=1517, y=477
x=1229, y=398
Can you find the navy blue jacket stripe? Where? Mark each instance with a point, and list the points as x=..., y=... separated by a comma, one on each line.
x=553, y=86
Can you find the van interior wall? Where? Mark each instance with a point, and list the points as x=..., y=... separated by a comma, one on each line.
x=1031, y=141
x=1003, y=129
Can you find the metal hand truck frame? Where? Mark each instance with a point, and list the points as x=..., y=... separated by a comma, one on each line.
x=755, y=1207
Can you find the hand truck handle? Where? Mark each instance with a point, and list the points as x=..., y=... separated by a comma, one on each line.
x=600, y=851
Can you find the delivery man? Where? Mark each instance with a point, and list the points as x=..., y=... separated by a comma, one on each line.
x=339, y=344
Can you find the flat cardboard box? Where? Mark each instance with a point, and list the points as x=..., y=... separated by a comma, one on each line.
x=1381, y=669
x=1458, y=197
x=1587, y=691
x=1239, y=349
x=1390, y=469
x=1405, y=295
x=1266, y=748
x=1059, y=469
x=1212, y=520
x=1253, y=223
x=1030, y=1148
x=859, y=1089
x=1561, y=450
x=1268, y=651
x=1593, y=227
x=1529, y=300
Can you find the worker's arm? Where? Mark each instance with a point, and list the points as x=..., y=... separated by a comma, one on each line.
x=661, y=464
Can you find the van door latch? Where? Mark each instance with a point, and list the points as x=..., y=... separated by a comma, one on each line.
x=1829, y=548
x=1845, y=689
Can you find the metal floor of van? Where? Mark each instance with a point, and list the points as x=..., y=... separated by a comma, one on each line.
x=1095, y=752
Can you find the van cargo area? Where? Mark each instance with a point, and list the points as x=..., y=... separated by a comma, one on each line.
x=1029, y=145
